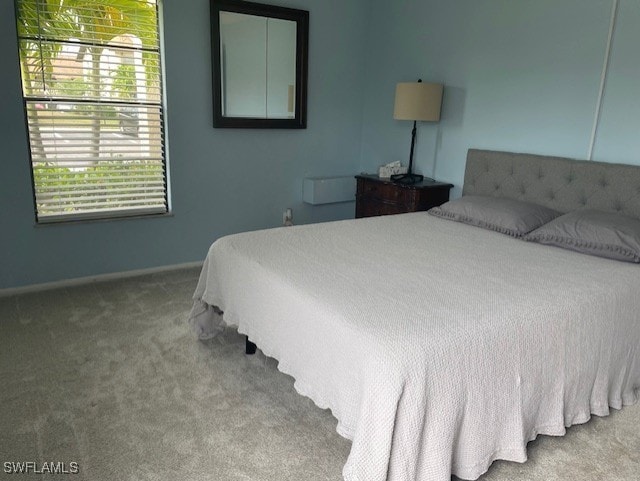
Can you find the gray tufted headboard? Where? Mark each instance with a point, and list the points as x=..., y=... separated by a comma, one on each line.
x=556, y=182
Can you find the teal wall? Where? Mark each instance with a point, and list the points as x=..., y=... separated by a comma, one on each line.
x=222, y=180
x=519, y=76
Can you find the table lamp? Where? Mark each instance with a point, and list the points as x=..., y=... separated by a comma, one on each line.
x=416, y=101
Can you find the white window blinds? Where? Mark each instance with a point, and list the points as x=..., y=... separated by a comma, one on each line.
x=92, y=88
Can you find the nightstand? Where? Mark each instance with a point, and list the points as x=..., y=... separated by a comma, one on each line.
x=376, y=196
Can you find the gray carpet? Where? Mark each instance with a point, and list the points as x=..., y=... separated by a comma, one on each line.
x=108, y=375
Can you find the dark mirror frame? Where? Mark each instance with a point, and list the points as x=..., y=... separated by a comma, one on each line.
x=301, y=17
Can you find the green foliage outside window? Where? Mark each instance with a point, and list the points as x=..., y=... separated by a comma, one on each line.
x=106, y=177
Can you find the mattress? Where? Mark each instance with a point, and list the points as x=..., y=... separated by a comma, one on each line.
x=439, y=347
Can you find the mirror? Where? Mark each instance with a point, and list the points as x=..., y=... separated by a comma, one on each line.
x=260, y=62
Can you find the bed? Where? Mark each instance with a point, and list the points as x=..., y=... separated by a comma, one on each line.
x=440, y=346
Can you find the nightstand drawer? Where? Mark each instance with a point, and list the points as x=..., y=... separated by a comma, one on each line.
x=371, y=209
x=384, y=192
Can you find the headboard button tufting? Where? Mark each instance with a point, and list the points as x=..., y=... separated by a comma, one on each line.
x=562, y=183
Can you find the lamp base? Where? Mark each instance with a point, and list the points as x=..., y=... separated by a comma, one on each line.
x=407, y=178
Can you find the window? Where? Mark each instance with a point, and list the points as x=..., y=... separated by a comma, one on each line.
x=92, y=88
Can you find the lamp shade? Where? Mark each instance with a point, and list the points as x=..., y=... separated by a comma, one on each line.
x=418, y=101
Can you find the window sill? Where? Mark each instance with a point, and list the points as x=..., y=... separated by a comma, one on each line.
x=67, y=222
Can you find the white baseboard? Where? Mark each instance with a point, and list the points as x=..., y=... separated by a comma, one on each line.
x=11, y=291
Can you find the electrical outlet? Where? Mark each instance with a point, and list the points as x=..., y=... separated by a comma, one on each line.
x=287, y=217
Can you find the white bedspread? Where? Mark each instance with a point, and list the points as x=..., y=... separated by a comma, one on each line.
x=439, y=347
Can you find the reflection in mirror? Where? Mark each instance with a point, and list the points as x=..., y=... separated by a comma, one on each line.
x=258, y=68
x=259, y=65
